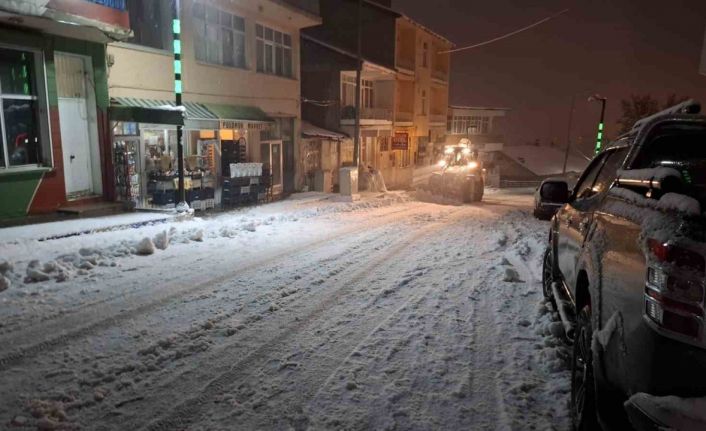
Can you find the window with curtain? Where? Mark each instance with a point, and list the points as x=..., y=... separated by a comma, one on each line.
x=219, y=37
x=274, y=51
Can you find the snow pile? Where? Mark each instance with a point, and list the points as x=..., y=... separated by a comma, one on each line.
x=668, y=202
x=654, y=174
x=684, y=414
x=371, y=180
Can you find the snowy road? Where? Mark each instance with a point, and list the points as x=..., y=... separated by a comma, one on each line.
x=389, y=313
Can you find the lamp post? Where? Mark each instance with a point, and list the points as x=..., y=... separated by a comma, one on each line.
x=181, y=206
x=599, y=138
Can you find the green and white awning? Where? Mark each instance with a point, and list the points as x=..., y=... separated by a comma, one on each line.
x=195, y=115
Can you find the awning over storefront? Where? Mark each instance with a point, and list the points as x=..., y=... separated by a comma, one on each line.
x=249, y=114
x=198, y=115
x=139, y=114
x=311, y=131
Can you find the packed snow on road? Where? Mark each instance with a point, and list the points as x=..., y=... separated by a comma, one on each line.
x=391, y=312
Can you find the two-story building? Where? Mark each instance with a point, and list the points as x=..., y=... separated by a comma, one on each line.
x=240, y=85
x=54, y=101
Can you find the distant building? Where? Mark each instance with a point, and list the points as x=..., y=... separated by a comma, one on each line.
x=54, y=92
x=530, y=164
x=482, y=125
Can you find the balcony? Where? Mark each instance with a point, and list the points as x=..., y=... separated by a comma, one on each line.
x=366, y=114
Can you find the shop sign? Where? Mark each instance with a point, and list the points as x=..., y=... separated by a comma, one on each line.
x=229, y=124
x=400, y=141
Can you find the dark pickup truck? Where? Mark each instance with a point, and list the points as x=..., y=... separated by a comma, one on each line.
x=625, y=268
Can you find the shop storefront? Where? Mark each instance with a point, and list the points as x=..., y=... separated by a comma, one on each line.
x=215, y=147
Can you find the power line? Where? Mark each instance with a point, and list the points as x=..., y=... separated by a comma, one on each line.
x=487, y=42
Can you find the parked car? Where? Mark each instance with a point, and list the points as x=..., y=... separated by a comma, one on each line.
x=551, y=195
x=626, y=269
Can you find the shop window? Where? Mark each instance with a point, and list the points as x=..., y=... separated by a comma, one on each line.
x=219, y=37
x=151, y=23
x=274, y=51
x=23, y=137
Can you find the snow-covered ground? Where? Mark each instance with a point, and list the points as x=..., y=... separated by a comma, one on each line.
x=386, y=313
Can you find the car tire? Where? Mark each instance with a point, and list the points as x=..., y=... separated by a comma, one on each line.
x=584, y=415
x=548, y=275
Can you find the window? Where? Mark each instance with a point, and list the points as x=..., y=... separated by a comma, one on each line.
x=610, y=169
x=368, y=94
x=425, y=55
x=274, y=51
x=150, y=21
x=424, y=102
x=21, y=126
x=584, y=188
x=219, y=37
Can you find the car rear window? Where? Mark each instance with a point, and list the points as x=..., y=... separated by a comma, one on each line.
x=673, y=145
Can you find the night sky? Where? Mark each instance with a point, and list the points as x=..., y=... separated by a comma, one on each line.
x=611, y=47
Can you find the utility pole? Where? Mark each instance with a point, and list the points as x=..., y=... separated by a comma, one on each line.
x=358, y=71
x=568, y=134
x=601, y=123
x=181, y=206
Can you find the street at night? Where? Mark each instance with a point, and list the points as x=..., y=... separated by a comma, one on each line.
x=226, y=215
x=389, y=313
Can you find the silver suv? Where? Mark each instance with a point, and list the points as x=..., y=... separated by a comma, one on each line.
x=626, y=269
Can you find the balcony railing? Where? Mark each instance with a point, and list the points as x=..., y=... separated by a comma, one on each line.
x=348, y=113
x=115, y=4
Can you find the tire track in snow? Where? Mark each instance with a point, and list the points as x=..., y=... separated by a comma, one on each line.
x=189, y=410
x=148, y=300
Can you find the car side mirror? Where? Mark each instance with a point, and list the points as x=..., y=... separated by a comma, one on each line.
x=555, y=192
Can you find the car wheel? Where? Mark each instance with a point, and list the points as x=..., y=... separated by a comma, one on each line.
x=583, y=392
x=548, y=275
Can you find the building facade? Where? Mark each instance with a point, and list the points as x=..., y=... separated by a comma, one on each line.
x=403, y=92
x=422, y=98
x=54, y=94
x=241, y=90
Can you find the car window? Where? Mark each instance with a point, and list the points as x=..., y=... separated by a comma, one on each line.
x=610, y=170
x=584, y=188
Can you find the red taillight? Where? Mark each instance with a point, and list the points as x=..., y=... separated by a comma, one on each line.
x=678, y=256
x=675, y=288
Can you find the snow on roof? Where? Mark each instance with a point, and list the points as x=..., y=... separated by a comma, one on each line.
x=312, y=131
x=544, y=161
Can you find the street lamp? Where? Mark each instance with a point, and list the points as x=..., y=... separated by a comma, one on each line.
x=599, y=138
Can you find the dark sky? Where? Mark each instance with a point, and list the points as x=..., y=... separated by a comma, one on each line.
x=611, y=47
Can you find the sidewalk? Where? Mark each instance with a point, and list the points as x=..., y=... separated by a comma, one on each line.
x=82, y=226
